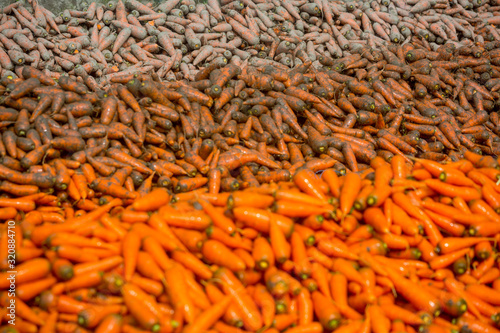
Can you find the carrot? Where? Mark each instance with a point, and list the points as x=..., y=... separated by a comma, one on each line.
x=450, y=244
x=467, y=193
x=135, y=300
x=379, y=321
x=375, y=217
x=177, y=291
x=483, y=250
x=110, y=323
x=252, y=319
x=421, y=299
x=130, y=251
x=394, y=312
x=266, y=302
x=152, y=201
x=219, y=254
x=28, y=271
x=305, y=307
x=193, y=263
x=447, y=259
x=305, y=180
x=326, y=311
x=262, y=254
x=209, y=316
x=30, y=290
x=219, y=219
x=91, y=317
x=349, y=191
x=307, y=328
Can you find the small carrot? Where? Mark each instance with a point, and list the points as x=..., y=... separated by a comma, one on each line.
x=279, y=244
x=262, y=253
x=219, y=254
x=305, y=180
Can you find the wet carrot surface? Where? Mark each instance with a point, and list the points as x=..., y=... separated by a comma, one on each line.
x=200, y=261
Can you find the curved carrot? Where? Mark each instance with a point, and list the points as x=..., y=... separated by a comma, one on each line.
x=266, y=303
x=147, y=267
x=338, y=286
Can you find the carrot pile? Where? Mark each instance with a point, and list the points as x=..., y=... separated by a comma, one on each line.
x=236, y=127
x=176, y=37
x=396, y=248
x=251, y=166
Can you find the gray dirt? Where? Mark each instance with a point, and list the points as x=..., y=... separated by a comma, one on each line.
x=56, y=6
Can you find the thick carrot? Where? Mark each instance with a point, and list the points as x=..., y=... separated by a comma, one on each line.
x=419, y=298
x=349, y=191
x=130, y=251
x=217, y=253
x=252, y=318
x=135, y=299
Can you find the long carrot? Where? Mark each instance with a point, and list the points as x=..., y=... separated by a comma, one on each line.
x=210, y=316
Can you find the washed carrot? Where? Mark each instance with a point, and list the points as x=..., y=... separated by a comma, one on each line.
x=263, y=253
x=348, y=193
x=279, y=244
x=252, y=319
x=135, y=299
x=217, y=253
x=152, y=201
x=209, y=316
x=130, y=251
x=408, y=289
x=305, y=181
x=110, y=323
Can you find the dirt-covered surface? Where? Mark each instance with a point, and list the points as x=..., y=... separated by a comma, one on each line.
x=56, y=6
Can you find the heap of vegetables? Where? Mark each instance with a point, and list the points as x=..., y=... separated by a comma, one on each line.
x=251, y=166
x=395, y=248
x=177, y=37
